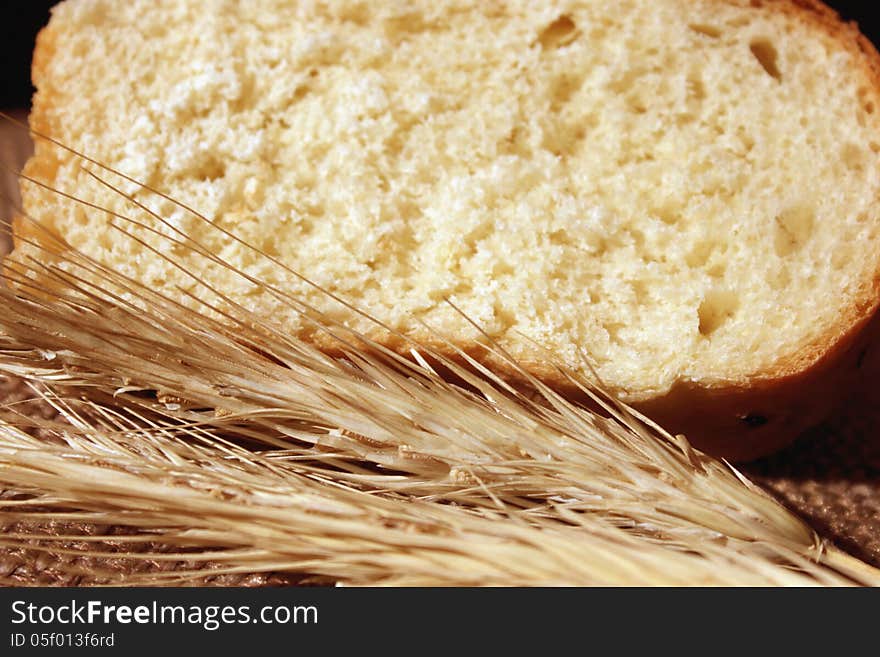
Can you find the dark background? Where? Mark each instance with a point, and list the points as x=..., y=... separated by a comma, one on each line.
x=20, y=20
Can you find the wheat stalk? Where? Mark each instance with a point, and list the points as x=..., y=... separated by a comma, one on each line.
x=259, y=512
x=212, y=427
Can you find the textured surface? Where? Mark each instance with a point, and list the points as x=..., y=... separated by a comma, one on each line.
x=653, y=182
x=831, y=477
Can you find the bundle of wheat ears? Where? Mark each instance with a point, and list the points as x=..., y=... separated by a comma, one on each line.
x=240, y=448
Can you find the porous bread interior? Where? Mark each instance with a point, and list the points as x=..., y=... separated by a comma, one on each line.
x=686, y=190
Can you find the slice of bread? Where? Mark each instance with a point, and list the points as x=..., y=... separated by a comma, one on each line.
x=685, y=190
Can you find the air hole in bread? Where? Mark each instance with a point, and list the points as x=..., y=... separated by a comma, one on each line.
x=211, y=169
x=637, y=102
x=700, y=253
x=562, y=88
x=765, y=53
x=560, y=32
x=300, y=93
x=794, y=227
x=559, y=237
x=568, y=142
x=670, y=213
x=696, y=90
x=402, y=26
x=780, y=278
x=706, y=30
x=717, y=307
x=80, y=216
x=626, y=81
x=853, y=156
x=357, y=13
x=717, y=270
x=270, y=247
x=641, y=291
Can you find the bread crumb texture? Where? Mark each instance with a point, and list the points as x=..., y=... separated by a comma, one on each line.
x=683, y=190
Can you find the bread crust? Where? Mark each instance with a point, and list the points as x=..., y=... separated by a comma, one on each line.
x=43, y=164
x=738, y=420
x=744, y=421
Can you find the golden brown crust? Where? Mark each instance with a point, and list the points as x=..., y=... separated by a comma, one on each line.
x=739, y=421
x=43, y=165
x=744, y=422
